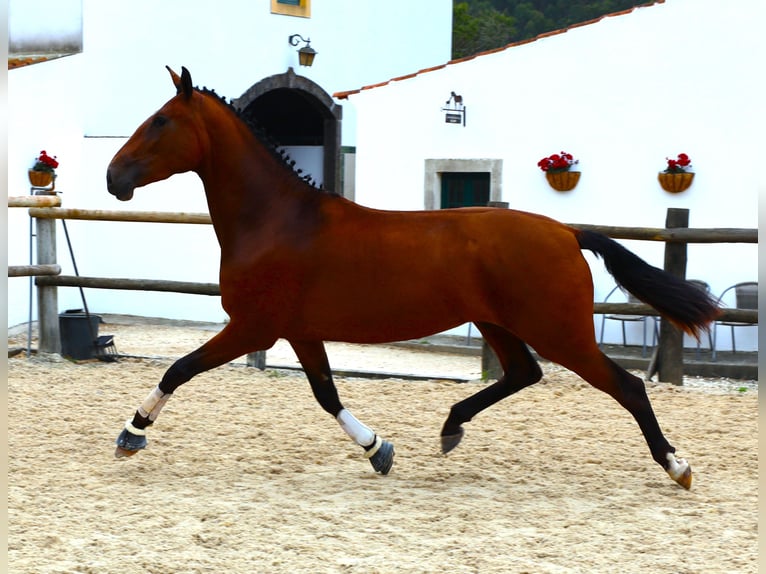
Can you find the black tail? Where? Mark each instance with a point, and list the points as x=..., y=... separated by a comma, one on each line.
x=682, y=303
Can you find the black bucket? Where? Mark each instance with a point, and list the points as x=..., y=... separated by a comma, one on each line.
x=78, y=338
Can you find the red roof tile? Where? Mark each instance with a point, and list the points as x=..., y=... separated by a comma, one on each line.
x=344, y=95
x=20, y=61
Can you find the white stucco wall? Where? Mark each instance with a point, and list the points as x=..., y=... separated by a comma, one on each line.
x=83, y=107
x=231, y=44
x=621, y=95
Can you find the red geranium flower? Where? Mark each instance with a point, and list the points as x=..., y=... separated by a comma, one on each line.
x=681, y=164
x=44, y=162
x=557, y=162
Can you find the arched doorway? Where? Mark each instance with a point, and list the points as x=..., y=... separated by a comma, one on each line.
x=302, y=118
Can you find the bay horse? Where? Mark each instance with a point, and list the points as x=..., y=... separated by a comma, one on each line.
x=309, y=266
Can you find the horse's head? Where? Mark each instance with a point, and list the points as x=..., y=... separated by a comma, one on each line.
x=167, y=143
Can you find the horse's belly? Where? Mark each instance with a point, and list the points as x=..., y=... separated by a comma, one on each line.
x=375, y=324
x=375, y=312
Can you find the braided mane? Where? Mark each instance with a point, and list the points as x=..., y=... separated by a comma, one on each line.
x=264, y=137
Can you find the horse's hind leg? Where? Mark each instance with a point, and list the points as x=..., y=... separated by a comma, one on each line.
x=313, y=358
x=520, y=370
x=630, y=392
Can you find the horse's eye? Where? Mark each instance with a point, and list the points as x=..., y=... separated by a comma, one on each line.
x=158, y=121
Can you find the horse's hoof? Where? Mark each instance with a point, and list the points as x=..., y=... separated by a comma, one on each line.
x=383, y=459
x=129, y=444
x=686, y=478
x=450, y=441
x=122, y=453
x=680, y=471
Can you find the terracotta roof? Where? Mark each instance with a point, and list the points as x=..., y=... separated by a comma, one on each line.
x=346, y=94
x=19, y=61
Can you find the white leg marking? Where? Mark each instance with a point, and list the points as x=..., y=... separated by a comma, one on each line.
x=676, y=467
x=153, y=404
x=373, y=449
x=133, y=430
x=362, y=434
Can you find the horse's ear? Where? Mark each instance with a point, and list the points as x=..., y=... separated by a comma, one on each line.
x=183, y=83
x=186, y=83
x=176, y=79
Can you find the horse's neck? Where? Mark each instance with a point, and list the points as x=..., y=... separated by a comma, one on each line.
x=246, y=187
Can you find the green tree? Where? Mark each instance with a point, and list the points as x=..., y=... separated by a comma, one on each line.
x=480, y=25
x=465, y=30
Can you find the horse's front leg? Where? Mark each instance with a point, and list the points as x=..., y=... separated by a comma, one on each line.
x=224, y=347
x=313, y=358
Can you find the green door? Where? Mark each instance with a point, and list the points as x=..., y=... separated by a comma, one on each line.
x=464, y=189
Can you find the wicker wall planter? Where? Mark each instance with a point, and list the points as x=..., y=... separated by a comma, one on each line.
x=675, y=182
x=40, y=178
x=563, y=180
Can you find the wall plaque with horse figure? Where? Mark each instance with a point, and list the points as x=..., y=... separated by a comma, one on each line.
x=310, y=266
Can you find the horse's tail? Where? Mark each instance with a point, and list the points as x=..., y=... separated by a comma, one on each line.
x=685, y=305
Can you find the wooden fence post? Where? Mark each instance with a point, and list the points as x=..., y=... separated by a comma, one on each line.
x=671, y=358
x=49, y=337
x=257, y=360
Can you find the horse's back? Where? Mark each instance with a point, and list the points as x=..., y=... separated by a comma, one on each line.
x=462, y=238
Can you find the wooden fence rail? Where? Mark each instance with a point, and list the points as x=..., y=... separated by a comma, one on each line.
x=113, y=215
x=212, y=289
x=679, y=235
x=130, y=284
x=34, y=201
x=47, y=284
x=676, y=235
x=33, y=270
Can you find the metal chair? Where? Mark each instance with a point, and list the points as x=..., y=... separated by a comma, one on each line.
x=629, y=319
x=746, y=296
x=706, y=288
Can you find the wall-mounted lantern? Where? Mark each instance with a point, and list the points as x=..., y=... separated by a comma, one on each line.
x=305, y=54
x=455, y=111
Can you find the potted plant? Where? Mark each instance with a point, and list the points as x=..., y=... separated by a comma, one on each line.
x=676, y=177
x=558, y=171
x=43, y=171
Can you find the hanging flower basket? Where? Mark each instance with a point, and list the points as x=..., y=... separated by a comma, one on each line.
x=677, y=177
x=675, y=182
x=40, y=178
x=563, y=180
x=557, y=169
x=43, y=171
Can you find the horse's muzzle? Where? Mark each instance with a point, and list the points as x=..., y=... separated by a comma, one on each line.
x=116, y=186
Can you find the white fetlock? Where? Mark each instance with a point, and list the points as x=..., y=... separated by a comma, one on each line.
x=375, y=448
x=679, y=470
x=133, y=430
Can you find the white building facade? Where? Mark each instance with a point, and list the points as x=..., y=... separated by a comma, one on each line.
x=621, y=94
